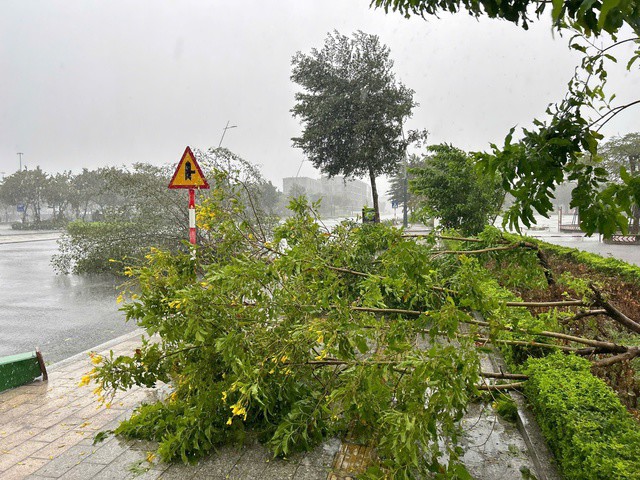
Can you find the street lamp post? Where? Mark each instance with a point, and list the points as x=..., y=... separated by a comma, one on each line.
x=227, y=127
x=20, y=157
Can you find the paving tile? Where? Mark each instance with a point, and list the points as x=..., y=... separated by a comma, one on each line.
x=279, y=469
x=130, y=464
x=107, y=452
x=323, y=454
x=8, y=460
x=59, y=446
x=253, y=462
x=7, y=429
x=23, y=469
x=219, y=463
x=310, y=472
x=17, y=437
x=83, y=471
x=19, y=453
x=52, y=433
x=59, y=466
x=180, y=471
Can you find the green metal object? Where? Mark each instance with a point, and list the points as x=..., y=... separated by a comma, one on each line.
x=368, y=215
x=16, y=370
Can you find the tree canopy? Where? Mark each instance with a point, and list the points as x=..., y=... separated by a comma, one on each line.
x=588, y=16
x=451, y=189
x=556, y=149
x=621, y=158
x=352, y=108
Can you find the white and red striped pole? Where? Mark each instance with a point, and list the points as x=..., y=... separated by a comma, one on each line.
x=192, y=216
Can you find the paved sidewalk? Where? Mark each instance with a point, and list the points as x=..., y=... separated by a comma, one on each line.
x=47, y=430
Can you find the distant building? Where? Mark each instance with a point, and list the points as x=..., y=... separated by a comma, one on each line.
x=339, y=196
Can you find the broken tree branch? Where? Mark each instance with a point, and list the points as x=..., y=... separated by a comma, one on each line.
x=505, y=376
x=613, y=312
x=629, y=355
x=566, y=303
x=506, y=386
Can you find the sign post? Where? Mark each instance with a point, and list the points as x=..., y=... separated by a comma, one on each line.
x=189, y=175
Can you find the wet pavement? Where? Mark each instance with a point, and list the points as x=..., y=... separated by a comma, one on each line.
x=60, y=314
x=547, y=229
x=47, y=431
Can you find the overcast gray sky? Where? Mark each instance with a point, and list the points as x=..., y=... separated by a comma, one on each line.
x=86, y=83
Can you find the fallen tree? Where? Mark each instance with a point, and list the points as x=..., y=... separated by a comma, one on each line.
x=310, y=333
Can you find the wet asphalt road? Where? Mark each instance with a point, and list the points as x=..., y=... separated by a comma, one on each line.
x=61, y=314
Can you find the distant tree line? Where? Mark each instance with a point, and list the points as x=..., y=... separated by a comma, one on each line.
x=113, y=215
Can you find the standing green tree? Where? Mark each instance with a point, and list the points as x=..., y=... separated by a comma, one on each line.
x=451, y=189
x=352, y=108
x=58, y=193
x=553, y=150
x=399, y=191
x=25, y=188
x=621, y=158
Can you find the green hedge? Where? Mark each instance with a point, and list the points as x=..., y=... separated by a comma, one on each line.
x=588, y=429
x=605, y=265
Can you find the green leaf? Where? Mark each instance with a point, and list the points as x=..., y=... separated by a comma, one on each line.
x=607, y=6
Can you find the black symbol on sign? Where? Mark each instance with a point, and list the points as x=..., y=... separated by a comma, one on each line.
x=187, y=171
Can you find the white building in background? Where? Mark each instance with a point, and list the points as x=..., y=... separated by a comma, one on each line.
x=339, y=196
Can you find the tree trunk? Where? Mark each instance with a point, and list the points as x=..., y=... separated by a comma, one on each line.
x=635, y=224
x=374, y=194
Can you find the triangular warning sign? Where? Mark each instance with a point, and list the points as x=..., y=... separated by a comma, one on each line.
x=188, y=173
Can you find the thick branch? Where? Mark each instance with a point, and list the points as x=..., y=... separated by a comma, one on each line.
x=472, y=252
x=608, y=346
x=629, y=355
x=526, y=343
x=347, y=270
x=566, y=303
x=388, y=310
x=506, y=386
x=506, y=376
x=613, y=312
x=588, y=313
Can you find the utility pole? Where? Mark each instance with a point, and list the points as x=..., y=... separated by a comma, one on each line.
x=405, y=185
x=227, y=127
x=20, y=156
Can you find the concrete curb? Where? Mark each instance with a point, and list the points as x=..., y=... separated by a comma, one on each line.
x=543, y=459
x=98, y=348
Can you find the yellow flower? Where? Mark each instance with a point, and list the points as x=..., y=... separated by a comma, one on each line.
x=238, y=410
x=224, y=397
x=85, y=380
x=230, y=421
x=96, y=359
x=119, y=299
x=97, y=390
x=151, y=457
x=284, y=358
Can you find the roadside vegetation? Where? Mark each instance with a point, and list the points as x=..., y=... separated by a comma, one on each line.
x=110, y=217
x=296, y=333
